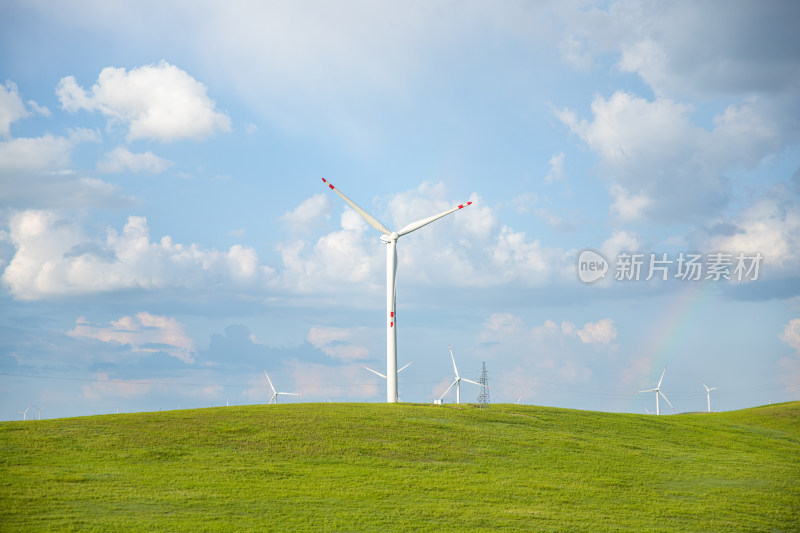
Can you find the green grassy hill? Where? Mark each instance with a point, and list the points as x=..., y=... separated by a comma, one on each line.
x=369, y=466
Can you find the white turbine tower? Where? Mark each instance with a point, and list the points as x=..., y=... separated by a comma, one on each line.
x=458, y=380
x=275, y=393
x=658, y=392
x=390, y=239
x=384, y=376
x=708, y=394
x=24, y=413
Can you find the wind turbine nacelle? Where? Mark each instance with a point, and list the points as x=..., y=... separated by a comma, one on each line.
x=389, y=238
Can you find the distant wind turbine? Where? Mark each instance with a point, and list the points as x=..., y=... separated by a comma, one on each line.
x=458, y=380
x=24, y=413
x=658, y=392
x=390, y=238
x=384, y=376
x=708, y=394
x=275, y=393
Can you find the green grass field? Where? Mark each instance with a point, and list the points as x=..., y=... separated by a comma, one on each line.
x=402, y=466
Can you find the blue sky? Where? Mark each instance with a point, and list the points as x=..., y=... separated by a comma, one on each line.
x=165, y=235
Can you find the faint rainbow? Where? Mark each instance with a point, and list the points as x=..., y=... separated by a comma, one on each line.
x=674, y=324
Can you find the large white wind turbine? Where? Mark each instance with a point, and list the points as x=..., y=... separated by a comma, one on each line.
x=658, y=392
x=384, y=376
x=390, y=239
x=24, y=413
x=458, y=380
x=708, y=394
x=275, y=393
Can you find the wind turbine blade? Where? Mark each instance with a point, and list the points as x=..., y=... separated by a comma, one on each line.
x=474, y=382
x=269, y=381
x=376, y=372
x=408, y=365
x=665, y=399
x=448, y=389
x=662, y=377
x=372, y=221
x=290, y=393
x=648, y=390
x=454, y=361
x=425, y=221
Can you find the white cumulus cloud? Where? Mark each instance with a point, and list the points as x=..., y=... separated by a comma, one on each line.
x=337, y=342
x=54, y=257
x=550, y=352
x=697, y=49
x=36, y=172
x=791, y=365
x=309, y=214
x=663, y=166
x=602, y=332
x=467, y=248
x=556, y=168
x=502, y=327
x=771, y=226
x=121, y=159
x=11, y=107
x=621, y=241
x=26, y=154
x=160, y=102
x=791, y=334
x=143, y=332
x=627, y=206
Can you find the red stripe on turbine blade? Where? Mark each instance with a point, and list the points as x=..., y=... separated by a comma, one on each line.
x=391, y=314
x=331, y=185
x=391, y=324
x=323, y=179
x=461, y=206
x=469, y=203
